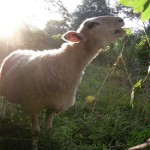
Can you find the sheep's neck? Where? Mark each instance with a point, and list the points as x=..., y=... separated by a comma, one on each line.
x=84, y=54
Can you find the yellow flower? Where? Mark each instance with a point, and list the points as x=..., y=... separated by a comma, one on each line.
x=90, y=99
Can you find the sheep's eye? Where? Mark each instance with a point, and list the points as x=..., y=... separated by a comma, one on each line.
x=92, y=24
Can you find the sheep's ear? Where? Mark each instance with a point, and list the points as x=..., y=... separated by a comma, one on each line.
x=72, y=36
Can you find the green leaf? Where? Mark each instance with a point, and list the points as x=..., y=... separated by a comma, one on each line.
x=146, y=14
x=128, y=31
x=139, y=6
x=146, y=5
x=138, y=84
x=142, y=6
x=127, y=3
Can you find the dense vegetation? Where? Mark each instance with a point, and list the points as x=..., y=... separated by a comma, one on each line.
x=104, y=117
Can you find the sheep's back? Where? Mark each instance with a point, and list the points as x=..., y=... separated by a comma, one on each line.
x=39, y=80
x=13, y=74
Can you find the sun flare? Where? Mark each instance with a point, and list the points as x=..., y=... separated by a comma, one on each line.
x=13, y=13
x=8, y=26
x=8, y=18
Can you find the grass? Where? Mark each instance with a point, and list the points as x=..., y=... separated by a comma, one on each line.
x=120, y=126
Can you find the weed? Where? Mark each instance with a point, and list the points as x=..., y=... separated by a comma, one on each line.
x=119, y=128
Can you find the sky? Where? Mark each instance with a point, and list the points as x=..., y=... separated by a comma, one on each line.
x=13, y=13
x=71, y=4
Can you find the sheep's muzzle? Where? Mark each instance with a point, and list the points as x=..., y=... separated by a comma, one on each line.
x=119, y=31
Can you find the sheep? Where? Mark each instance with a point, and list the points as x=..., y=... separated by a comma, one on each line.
x=49, y=79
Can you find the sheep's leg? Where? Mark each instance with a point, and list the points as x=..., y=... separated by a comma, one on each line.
x=4, y=103
x=49, y=120
x=35, y=130
x=48, y=126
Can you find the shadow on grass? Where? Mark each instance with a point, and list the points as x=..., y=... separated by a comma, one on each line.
x=14, y=136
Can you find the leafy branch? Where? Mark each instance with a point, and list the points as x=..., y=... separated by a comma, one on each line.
x=142, y=6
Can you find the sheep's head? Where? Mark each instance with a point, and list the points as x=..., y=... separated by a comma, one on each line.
x=100, y=31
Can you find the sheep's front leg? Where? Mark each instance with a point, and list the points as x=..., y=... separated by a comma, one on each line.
x=4, y=103
x=35, y=130
x=49, y=119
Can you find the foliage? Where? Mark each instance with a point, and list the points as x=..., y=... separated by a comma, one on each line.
x=135, y=53
x=55, y=27
x=138, y=84
x=59, y=6
x=117, y=129
x=128, y=31
x=142, y=50
x=142, y=6
x=89, y=8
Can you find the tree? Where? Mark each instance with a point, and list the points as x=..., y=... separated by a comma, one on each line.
x=54, y=27
x=89, y=8
x=59, y=6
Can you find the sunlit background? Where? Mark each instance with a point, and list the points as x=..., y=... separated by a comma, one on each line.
x=13, y=13
x=16, y=12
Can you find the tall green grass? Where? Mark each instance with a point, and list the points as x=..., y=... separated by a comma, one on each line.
x=119, y=125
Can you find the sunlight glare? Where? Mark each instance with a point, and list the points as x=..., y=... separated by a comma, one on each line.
x=13, y=13
x=10, y=14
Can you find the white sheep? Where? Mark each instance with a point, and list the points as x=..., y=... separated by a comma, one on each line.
x=49, y=79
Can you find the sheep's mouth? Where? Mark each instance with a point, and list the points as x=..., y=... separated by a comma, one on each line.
x=119, y=31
